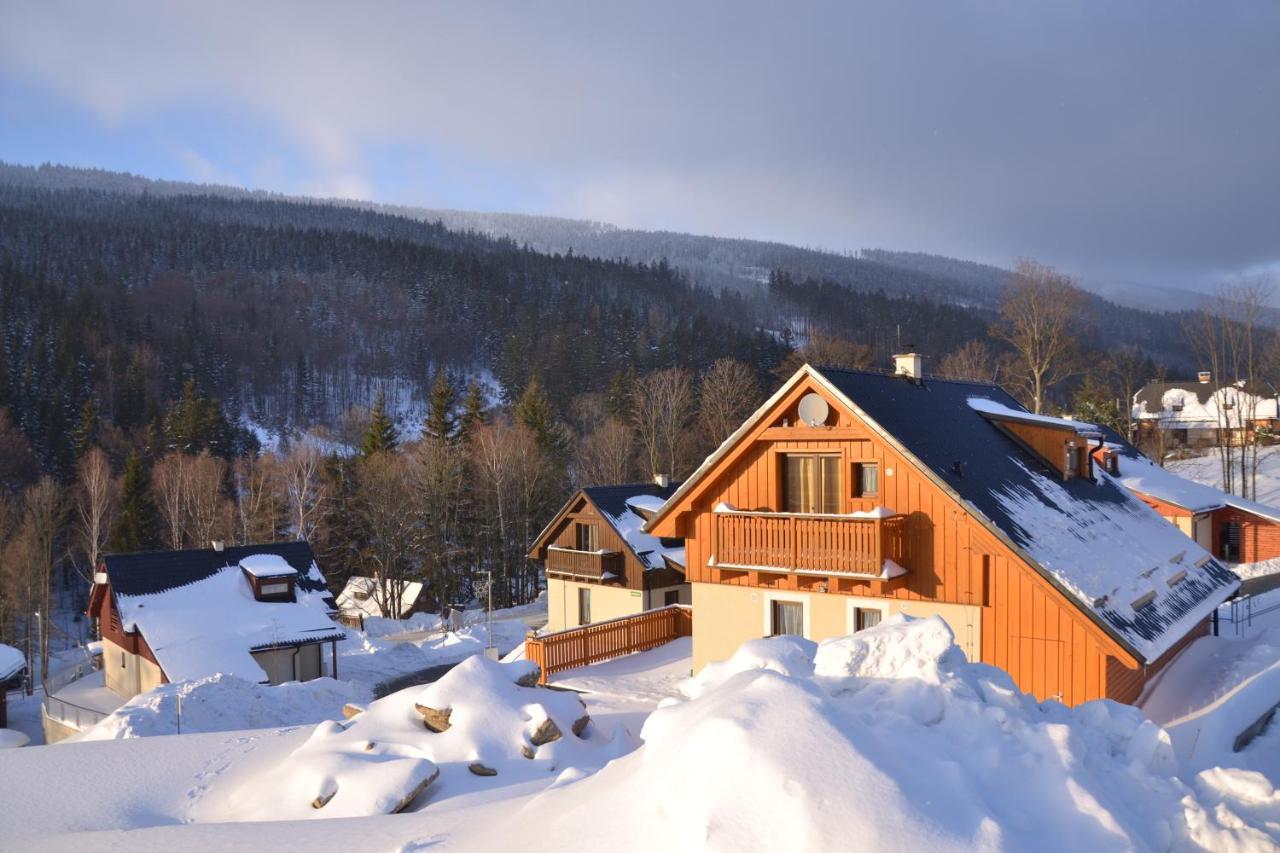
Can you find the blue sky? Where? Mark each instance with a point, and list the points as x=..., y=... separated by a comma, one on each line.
x=1131, y=142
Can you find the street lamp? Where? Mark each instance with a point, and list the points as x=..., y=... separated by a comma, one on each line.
x=490, y=650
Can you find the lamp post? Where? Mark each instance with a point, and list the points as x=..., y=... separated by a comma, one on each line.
x=490, y=650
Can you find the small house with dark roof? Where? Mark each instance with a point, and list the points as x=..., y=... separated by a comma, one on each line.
x=600, y=563
x=13, y=671
x=259, y=612
x=1201, y=412
x=849, y=497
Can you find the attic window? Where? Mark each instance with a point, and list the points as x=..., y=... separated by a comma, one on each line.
x=360, y=595
x=274, y=589
x=1178, y=578
x=1144, y=601
x=1176, y=407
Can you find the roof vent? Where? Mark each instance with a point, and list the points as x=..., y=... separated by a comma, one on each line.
x=218, y=545
x=662, y=480
x=909, y=364
x=957, y=468
x=1204, y=376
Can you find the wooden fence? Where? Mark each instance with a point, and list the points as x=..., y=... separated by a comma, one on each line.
x=605, y=640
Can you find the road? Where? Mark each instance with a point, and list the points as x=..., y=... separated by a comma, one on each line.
x=409, y=679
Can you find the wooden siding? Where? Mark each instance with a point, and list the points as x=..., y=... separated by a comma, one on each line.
x=584, y=565
x=1029, y=628
x=1050, y=444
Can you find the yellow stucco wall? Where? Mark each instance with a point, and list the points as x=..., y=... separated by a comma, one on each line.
x=607, y=602
x=726, y=616
x=128, y=674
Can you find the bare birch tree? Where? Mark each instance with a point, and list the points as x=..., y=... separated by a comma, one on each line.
x=973, y=360
x=96, y=505
x=606, y=454
x=306, y=494
x=663, y=411
x=728, y=394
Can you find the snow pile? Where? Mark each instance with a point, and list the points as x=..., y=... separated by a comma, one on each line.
x=222, y=703
x=897, y=742
x=380, y=626
x=477, y=727
x=12, y=662
x=786, y=655
x=1258, y=569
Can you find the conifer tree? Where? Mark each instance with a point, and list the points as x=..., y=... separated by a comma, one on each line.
x=534, y=411
x=474, y=413
x=440, y=423
x=86, y=434
x=136, y=527
x=382, y=435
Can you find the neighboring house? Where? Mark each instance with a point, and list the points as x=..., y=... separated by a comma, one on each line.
x=1199, y=412
x=600, y=564
x=363, y=598
x=13, y=671
x=1230, y=527
x=851, y=496
x=259, y=612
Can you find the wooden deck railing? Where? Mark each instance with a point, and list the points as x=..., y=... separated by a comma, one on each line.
x=593, y=565
x=824, y=544
x=605, y=640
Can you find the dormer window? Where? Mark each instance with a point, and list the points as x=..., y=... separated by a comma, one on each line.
x=270, y=577
x=1074, y=462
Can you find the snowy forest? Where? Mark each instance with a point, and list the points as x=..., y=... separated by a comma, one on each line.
x=415, y=400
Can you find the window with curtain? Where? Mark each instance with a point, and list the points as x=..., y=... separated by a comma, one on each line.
x=811, y=483
x=865, y=617
x=584, y=605
x=586, y=537
x=787, y=618
x=866, y=479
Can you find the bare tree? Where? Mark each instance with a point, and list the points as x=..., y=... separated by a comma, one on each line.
x=306, y=495
x=259, y=506
x=382, y=500
x=167, y=481
x=96, y=506
x=664, y=407
x=189, y=495
x=606, y=454
x=973, y=360
x=729, y=393
x=1038, y=310
x=1127, y=367
x=437, y=475
x=826, y=350
x=41, y=527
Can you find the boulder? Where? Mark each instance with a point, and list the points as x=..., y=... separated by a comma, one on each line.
x=435, y=719
x=480, y=770
x=530, y=678
x=547, y=732
x=528, y=751
x=414, y=792
x=323, y=798
x=580, y=724
x=350, y=709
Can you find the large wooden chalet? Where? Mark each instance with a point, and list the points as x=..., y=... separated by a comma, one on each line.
x=851, y=496
x=260, y=612
x=599, y=562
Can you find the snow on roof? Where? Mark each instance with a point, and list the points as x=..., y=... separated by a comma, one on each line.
x=1140, y=474
x=211, y=625
x=1190, y=403
x=646, y=503
x=12, y=662
x=993, y=409
x=358, y=596
x=651, y=550
x=267, y=566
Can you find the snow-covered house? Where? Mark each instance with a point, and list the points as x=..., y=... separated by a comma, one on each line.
x=600, y=563
x=363, y=598
x=260, y=612
x=1200, y=412
x=851, y=496
x=13, y=668
x=1231, y=527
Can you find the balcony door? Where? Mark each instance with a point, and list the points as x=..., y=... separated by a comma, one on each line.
x=811, y=483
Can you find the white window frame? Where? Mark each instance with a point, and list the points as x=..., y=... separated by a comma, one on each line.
x=805, y=609
x=850, y=618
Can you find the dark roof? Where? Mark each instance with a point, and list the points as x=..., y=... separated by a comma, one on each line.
x=613, y=499
x=1152, y=394
x=1005, y=482
x=149, y=572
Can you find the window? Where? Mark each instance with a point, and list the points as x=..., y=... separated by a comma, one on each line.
x=584, y=606
x=786, y=617
x=865, y=617
x=866, y=479
x=670, y=597
x=811, y=483
x=586, y=537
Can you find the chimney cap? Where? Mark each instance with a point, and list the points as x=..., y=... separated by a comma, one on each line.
x=218, y=545
x=663, y=480
x=909, y=364
x=1204, y=376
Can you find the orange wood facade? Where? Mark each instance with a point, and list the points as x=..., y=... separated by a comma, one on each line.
x=1030, y=629
x=103, y=608
x=561, y=535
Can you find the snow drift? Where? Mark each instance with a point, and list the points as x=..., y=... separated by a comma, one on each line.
x=891, y=739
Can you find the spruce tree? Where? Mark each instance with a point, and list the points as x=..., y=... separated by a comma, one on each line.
x=382, y=435
x=617, y=401
x=474, y=413
x=440, y=423
x=86, y=434
x=136, y=527
x=534, y=411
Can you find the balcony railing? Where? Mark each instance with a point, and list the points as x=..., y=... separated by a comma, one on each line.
x=589, y=565
x=811, y=544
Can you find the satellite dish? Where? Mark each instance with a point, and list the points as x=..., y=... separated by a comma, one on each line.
x=814, y=410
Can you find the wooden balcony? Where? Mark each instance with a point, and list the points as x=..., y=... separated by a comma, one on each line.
x=807, y=544
x=584, y=565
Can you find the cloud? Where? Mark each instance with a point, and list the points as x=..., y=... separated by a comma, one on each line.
x=1135, y=140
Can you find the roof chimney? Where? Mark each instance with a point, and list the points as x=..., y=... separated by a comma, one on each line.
x=909, y=364
x=1204, y=376
x=218, y=545
x=662, y=480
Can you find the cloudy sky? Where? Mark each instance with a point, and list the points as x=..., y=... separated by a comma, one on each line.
x=1135, y=141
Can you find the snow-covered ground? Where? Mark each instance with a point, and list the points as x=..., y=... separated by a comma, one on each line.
x=885, y=739
x=1207, y=469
